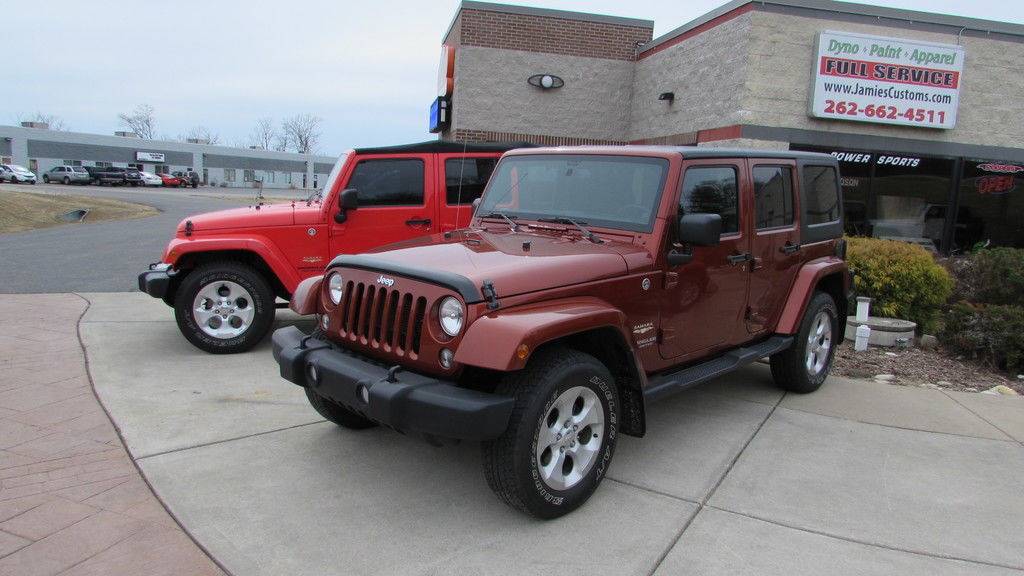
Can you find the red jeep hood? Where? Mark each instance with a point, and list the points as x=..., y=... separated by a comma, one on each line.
x=551, y=261
x=250, y=217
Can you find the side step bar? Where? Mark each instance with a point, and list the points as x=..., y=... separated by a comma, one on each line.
x=664, y=385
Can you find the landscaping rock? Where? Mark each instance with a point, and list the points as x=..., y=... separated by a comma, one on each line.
x=928, y=342
x=1001, y=389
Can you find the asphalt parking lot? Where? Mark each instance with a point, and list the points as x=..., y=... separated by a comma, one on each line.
x=51, y=260
x=734, y=477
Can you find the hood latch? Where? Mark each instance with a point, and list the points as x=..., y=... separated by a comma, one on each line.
x=490, y=294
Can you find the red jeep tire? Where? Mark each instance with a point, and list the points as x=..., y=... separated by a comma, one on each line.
x=561, y=434
x=224, y=307
x=804, y=366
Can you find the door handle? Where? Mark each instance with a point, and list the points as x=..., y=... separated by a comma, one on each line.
x=739, y=258
x=418, y=222
x=789, y=248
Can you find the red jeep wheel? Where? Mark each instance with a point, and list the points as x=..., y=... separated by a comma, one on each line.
x=224, y=307
x=804, y=366
x=561, y=434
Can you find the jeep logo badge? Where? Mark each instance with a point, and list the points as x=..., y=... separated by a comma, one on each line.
x=646, y=284
x=382, y=279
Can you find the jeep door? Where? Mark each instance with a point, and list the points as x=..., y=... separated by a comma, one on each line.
x=396, y=202
x=775, y=237
x=461, y=180
x=705, y=299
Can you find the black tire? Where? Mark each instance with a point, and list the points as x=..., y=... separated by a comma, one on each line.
x=245, y=276
x=510, y=461
x=337, y=413
x=789, y=367
x=46, y=179
x=67, y=180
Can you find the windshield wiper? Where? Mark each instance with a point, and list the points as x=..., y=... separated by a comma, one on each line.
x=511, y=222
x=579, y=226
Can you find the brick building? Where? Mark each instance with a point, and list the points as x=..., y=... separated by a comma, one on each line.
x=920, y=108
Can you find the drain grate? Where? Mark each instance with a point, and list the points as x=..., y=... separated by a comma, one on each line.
x=74, y=215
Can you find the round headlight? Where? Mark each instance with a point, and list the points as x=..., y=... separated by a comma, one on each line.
x=334, y=285
x=451, y=314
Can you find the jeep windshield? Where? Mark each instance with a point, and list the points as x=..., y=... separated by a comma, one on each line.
x=620, y=192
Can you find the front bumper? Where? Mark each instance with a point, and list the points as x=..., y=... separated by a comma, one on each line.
x=408, y=402
x=156, y=281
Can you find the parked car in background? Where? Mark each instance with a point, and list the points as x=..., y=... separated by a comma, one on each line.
x=223, y=270
x=150, y=179
x=171, y=180
x=106, y=175
x=15, y=174
x=132, y=177
x=67, y=175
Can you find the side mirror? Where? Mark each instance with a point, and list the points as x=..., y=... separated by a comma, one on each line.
x=695, y=230
x=700, y=229
x=349, y=200
x=476, y=204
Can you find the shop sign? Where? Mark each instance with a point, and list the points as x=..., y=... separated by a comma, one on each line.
x=881, y=160
x=1006, y=168
x=149, y=157
x=865, y=78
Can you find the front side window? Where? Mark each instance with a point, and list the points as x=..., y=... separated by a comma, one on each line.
x=773, y=196
x=602, y=190
x=466, y=178
x=712, y=190
x=388, y=182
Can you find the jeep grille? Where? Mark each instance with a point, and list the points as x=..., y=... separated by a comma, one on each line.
x=379, y=317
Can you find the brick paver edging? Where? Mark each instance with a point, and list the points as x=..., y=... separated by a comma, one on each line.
x=72, y=501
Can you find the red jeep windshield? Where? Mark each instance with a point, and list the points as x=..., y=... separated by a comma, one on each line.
x=619, y=192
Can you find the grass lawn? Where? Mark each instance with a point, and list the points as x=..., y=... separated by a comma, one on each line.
x=28, y=210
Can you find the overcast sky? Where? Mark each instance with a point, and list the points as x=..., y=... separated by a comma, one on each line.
x=367, y=68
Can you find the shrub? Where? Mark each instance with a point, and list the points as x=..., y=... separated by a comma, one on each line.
x=903, y=280
x=993, y=276
x=993, y=333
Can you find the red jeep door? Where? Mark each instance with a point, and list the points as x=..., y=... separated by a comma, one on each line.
x=706, y=298
x=396, y=202
x=775, y=241
x=461, y=179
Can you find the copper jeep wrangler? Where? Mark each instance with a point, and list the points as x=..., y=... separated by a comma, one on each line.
x=590, y=283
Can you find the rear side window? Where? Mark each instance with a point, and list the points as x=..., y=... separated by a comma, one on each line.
x=821, y=195
x=773, y=196
x=712, y=190
x=389, y=182
x=471, y=173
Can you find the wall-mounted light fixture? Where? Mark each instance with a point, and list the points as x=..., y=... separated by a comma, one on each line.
x=668, y=96
x=545, y=81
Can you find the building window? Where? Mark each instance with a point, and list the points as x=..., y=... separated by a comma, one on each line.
x=5, y=160
x=465, y=178
x=103, y=164
x=229, y=174
x=72, y=162
x=991, y=205
x=773, y=196
x=33, y=165
x=388, y=182
x=712, y=190
x=249, y=175
x=268, y=176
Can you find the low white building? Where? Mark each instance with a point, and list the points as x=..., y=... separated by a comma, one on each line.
x=40, y=149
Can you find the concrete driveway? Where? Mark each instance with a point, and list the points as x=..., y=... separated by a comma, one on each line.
x=733, y=477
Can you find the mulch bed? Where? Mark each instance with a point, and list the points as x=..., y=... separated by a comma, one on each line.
x=918, y=367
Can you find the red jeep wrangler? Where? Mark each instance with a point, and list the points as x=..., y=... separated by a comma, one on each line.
x=590, y=283
x=223, y=270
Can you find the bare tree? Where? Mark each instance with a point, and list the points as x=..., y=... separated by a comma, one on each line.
x=55, y=122
x=281, y=143
x=303, y=132
x=200, y=133
x=264, y=135
x=140, y=121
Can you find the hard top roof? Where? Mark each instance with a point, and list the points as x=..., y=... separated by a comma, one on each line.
x=441, y=146
x=685, y=151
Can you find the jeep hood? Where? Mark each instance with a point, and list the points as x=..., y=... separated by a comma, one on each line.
x=550, y=261
x=235, y=218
